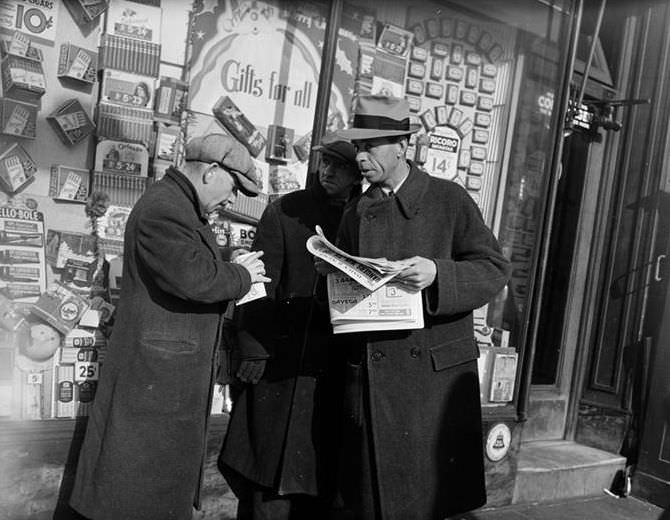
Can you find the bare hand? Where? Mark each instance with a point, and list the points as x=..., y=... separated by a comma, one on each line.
x=252, y=263
x=419, y=275
x=322, y=267
x=237, y=253
x=251, y=371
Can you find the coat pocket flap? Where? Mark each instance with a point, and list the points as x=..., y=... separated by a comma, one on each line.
x=453, y=353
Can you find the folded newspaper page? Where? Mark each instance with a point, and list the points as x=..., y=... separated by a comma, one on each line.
x=371, y=273
x=361, y=297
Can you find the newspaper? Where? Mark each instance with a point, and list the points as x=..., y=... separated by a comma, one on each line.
x=257, y=289
x=362, y=296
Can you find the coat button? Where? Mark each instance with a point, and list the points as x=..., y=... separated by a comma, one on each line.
x=415, y=352
x=370, y=218
x=377, y=355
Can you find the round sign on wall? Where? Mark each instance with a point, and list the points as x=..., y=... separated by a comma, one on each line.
x=498, y=442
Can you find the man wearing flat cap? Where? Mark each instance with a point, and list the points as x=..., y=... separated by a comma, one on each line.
x=279, y=455
x=144, y=448
x=412, y=439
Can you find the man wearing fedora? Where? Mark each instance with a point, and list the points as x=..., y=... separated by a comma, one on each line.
x=143, y=453
x=279, y=454
x=412, y=438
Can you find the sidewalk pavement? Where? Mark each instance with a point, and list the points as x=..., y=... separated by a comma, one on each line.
x=591, y=508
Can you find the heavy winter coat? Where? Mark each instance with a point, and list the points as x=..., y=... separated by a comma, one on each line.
x=145, y=441
x=413, y=442
x=281, y=432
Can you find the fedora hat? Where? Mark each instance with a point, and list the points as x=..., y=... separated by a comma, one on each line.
x=379, y=116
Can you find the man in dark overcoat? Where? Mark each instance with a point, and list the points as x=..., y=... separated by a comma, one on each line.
x=144, y=447
x=413, y=435
x=279, y=453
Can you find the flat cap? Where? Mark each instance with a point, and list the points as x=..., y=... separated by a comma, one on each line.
x=230, y=155
x=337, y=148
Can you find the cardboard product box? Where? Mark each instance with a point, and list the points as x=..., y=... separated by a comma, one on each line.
x=85, y=11
x=22, y=78
x=170, y=99
x=226, y=111
x=125, y=88
x=71, y=122
x=167, y=142
x=24, y=49
x=18, y=119
x=17, y=169
x=138, y=57
x=60, y=307
x=503, y=375
x=124, y=123
x=279, y=144
x=121, y=157
x=69, y=184
x=77, y=63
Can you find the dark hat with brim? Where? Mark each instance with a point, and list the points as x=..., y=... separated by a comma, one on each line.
x=337, y=148
x=379, y=116
x=230, y=155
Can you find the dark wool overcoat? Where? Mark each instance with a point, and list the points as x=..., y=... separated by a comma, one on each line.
x=282, y=429
x=413, y=440
x=145, y=440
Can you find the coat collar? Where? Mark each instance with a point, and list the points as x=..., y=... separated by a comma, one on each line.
x=408, y=196
x=187, y=188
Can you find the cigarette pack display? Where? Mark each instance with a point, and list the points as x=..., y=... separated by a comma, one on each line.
x=18, y=119
x=415, y=87
x=414, y=103
x=249, y=209
x=60, y=307
x=22, y=78
x=69, y=184
x=471, y=77
x=279, y=144
x=126, y=124
x=417, y=70
x=138, y=57
x=85, y=11
x=134, y=20
x=123, y=189
x=428, y=120
x=125, y=88
x=19, y=45
x=395, y=40
x=77, y=63
x=487, y=86
x=303, y=146
x=485, y=103
x=489, y=70
x=440, y=49
x=121, y=157
x=468, y=98
x=434, y=90
x=170, y=99
x=71, y=122
x=226, y=111
x=451, y=96
x=454, y=73
x=17, y=169
x=64, y=398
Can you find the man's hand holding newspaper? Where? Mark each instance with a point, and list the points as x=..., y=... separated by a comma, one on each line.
x=361, y=297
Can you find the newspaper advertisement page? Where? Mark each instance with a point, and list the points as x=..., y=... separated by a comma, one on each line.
x=353, y=308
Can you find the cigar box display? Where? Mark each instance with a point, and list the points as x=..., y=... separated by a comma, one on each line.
x=69, y=184
x=226, y=111
x=71, y=122
x=77, y=63
x=279, y=144
x=302, y=147
x=121, y=157
x=85, y=11
x=19, y=45
x=18, y=119
x=125, y=88
x=17, y=169
x=22, y=78
x=124, y=123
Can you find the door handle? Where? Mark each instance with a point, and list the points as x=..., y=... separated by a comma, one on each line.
x=657, y=273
